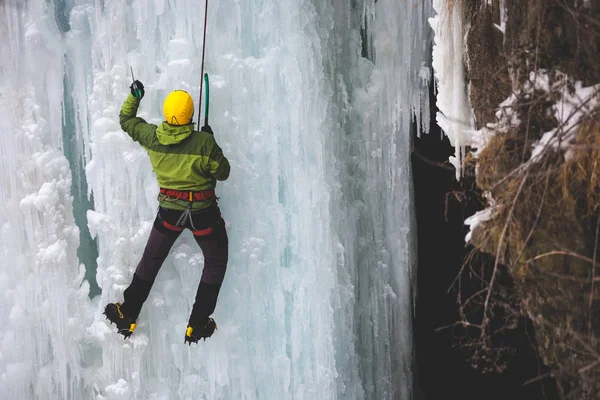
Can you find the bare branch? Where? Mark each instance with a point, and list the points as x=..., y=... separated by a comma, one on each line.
x=589, y=366
x=568, y=277
x=426, y=160
x=562, y=253
x=537, y=218
x=593, y=277
x=458, y=323
x=538, y=378
x=499, y=249
x=574, y=13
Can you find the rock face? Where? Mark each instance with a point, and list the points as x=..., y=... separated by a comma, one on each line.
x=534, y=81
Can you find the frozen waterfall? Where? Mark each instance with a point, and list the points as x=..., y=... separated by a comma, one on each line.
x=312, y=101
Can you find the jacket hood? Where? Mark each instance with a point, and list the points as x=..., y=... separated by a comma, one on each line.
x=173, y=134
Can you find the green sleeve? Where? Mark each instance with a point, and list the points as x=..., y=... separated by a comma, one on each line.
x=136, y=127
x=218, y=164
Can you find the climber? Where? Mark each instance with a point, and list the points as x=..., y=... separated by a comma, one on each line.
x=187, y=164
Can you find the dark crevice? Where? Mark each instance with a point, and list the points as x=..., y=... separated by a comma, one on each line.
x=87, y=252
x=442, y=370
x=61, y=14
x=365, y=41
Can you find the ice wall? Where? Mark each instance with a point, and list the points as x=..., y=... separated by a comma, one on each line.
x=44, y=304
x=375, y=66
x=455, y=115
x=313, y=103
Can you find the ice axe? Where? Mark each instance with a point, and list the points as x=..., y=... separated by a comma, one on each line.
x=206, y=102
x=202, y=74
x=136, y=91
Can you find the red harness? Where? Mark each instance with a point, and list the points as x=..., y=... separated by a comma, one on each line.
x=201, y=232
x=188, y=195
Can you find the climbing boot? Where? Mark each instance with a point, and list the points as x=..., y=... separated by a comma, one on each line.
x=125, y=314
x=125, y=324
x=200, y=326
x=200, y=331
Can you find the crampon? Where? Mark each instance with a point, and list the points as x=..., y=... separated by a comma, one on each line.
x=125, y=326
x=193, y=334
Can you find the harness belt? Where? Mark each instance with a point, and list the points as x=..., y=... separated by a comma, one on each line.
x=188, y=195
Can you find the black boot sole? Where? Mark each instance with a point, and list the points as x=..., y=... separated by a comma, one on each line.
x=192, y=335
x=113, y=313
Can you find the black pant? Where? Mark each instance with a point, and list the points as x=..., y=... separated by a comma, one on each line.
x=209, y=231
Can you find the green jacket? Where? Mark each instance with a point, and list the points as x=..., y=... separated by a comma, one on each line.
x=183, y=159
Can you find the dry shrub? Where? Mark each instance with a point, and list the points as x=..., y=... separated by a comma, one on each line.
x=557, y=203
x=543, y=235
x=545, y=232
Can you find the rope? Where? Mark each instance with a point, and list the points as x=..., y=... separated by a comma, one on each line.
x=202, y=72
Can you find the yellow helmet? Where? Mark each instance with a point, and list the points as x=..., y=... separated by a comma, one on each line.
x=179, y=108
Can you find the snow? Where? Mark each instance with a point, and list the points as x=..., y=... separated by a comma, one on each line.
x=455, y=115
x=569, y=107
x=503, y=16
x=569, y=110
x=318, y=208
x=572, y=102
x=117, y=391
x=480, y=216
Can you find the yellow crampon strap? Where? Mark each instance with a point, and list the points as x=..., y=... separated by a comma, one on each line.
x=119, y=310
x=189, y=331
x=132, y=327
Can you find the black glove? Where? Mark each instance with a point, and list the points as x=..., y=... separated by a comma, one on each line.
x=207, y=129
x=137, y=90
